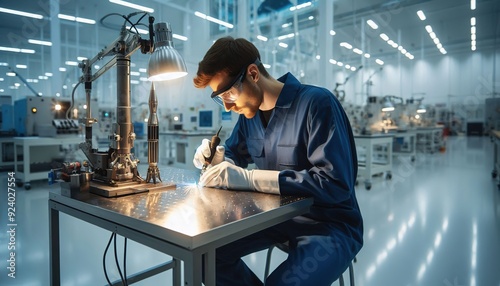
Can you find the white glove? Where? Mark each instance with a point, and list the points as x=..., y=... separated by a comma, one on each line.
x=203, y=151
x=228, y=176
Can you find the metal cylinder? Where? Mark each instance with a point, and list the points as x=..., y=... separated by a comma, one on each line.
x=123, y=108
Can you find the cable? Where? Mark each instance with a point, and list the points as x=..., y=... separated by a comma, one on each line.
x=104, y=258
x=143, y=15
x=118, y=264
x=125, y=260
x=116, y=14
x=72, y=101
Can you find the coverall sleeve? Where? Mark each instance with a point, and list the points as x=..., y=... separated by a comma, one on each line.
x=331, y=152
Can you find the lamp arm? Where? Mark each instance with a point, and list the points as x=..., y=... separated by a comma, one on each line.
x=125, y=45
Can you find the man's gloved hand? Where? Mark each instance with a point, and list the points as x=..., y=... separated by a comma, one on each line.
x=228, y=176
x=204, y=151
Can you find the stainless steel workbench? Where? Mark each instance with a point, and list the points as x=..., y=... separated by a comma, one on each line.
x=186, y=222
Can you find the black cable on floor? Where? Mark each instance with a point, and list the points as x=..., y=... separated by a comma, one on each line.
x=118, y=264
x=104, y=258
x=125, y=260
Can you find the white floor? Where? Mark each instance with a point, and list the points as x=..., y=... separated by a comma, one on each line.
x=437, y=222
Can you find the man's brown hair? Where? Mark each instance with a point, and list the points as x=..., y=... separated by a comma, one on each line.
x=227, y=55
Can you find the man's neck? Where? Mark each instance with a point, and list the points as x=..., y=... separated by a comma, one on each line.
x=272, y=89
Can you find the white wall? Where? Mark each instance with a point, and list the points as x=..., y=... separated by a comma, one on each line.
x=465, y=78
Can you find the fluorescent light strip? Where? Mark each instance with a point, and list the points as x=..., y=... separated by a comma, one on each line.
x=332, y=32
x=435, y=39
x=71, y=63
x=283, y=45
x=212, y=19
x=76, y=19
x=132, y=5
x=473, y=33
x=289, y=36
x=372, y=24
x=38, y=42
x=17, y=50
x=421, y=15
x=146, y=32
x=380, y=62
x=473, y=4
x=179, y=37
x=21, y=66
x=346, y=45
x=300, y=6
x=21, y=13
x=262, y=38
x=395, y=45
x=340, y=64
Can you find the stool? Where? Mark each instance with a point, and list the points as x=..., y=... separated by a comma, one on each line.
x=284, y=247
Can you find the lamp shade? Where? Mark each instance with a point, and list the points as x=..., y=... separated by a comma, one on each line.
x=387, y=105
x=165, y=63
x=421, y=108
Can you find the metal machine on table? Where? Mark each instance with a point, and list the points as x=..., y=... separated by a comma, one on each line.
x=114, y=172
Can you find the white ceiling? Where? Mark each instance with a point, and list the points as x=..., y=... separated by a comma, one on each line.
x=450, y=20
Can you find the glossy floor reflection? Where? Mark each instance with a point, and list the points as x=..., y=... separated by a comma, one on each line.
x=436, y=222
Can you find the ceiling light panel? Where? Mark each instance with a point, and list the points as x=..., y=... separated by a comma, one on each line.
x=21, y=13
x=132, y=5
x=421, y=15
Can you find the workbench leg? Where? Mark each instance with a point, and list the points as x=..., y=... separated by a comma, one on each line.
x=192, y=273
x=54, y=247
x=368, y=165
x=176, y=272
x=209, y=264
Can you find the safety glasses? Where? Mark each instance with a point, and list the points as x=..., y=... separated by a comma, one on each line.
x=230, y=93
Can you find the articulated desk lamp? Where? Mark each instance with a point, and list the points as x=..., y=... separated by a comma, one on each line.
x=115, y=171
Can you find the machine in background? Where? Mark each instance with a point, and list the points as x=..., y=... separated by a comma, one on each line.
x=43, y=116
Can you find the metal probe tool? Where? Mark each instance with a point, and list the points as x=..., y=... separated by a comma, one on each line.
x=213, y=148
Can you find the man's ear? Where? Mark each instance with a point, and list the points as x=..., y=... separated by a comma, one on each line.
x=254, y=72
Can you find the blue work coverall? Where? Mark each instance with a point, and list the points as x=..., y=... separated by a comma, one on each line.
x=310, y=141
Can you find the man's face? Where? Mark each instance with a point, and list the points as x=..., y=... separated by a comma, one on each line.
x=243, y=97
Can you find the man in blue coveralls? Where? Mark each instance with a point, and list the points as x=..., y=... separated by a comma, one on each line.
x=301, y=142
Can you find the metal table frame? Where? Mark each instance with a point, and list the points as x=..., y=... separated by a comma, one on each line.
x=192, y=249
x=50, y=147
x=369, y=166
x=429, y=139
x=409, y=137
x=495, y=138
